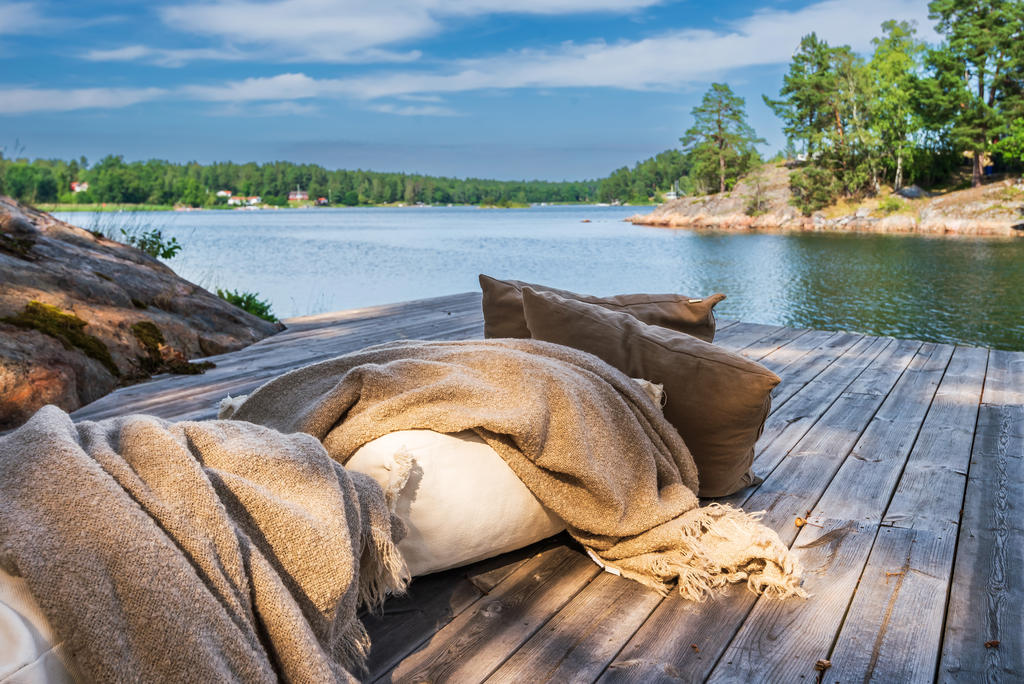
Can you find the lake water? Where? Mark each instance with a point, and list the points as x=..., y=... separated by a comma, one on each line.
x=308, y=261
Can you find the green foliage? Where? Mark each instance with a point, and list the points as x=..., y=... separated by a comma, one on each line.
x=807, y=98
x=30, y=183
x=813, y=188
x=152, y=242
x=248, y=301
x=350, y=199
x=894, y=119
x=720, y=142
x=976, y=74
x=69, y=329
x=824, y=104
x=890, y=204
x=503, y=204
x=112, y=180
x=909, y=113
x=1011, y=147
x=647, y=178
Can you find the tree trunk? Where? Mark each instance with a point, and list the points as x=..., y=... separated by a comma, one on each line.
x=976, y=169
x=721, y=171
x=898, y=183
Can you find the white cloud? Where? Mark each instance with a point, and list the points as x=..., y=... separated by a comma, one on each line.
x=21, y=17
x=309, y=30
x=669, y=61
x=280, y=87
x=289, y=108
x=162, y=57
x=353, y=31
x=414, y=110
x=548, y=7
x=25, y=100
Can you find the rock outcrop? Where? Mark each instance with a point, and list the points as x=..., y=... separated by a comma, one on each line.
x=762, y=202
x=81, y=315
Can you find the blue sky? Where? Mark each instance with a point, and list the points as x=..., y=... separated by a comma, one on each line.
x=552, y=89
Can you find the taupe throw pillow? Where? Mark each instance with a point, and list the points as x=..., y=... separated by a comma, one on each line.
x=503, y=308
x=717, y=400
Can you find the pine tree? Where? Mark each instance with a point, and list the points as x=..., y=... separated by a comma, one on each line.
x=720, y=140
x=807, y=104
x=974, y=71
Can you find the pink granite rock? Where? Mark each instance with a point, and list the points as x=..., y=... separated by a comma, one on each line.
x=110, y=287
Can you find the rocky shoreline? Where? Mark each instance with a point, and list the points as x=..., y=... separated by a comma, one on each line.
x=81, y=315
x=994, y=210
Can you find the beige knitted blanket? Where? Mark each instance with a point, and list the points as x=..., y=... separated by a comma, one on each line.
x=194, y=552
x=581, y=435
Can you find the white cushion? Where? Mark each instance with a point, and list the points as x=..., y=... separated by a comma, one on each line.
x=461, y=502
x=28, y=652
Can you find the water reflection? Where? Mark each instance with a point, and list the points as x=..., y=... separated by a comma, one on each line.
x=949, y=290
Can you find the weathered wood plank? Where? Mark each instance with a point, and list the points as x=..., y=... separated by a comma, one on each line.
x=894, y=624
x=787, y=425
x=579, y=642
x=660, y=650
x=782, y=640
x=886, y=612
x=855, y=500
x=723, y=323
x=783, y=337
x=864, y=484
x=931, y=488
x=743, y=335
x=798, y=370
x=406, y=622
x=1004, y=384
x=480, y=639
x=986, y=600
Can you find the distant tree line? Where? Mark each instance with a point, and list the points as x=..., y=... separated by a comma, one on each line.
x=113, y=180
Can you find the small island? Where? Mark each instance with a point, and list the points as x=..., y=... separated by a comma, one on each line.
x=763, y=201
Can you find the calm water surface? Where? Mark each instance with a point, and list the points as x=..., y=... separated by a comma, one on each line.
x=309, y=261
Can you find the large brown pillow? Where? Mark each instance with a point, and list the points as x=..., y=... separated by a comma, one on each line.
x=503, y=308
x=716, y=399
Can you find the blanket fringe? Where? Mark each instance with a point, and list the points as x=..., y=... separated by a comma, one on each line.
x=352, y=649
x=718, y=545
x=382, y=569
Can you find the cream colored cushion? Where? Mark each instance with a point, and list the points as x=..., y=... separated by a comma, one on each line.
x=28, y=652
x=461, y=501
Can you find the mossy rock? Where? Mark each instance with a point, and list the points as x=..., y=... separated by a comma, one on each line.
x=66, y=327
x=188, y=368
x=20, y=247
x=150, y=337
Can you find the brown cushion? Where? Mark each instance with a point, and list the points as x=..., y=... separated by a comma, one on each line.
x=717, y=400
x=503, y=308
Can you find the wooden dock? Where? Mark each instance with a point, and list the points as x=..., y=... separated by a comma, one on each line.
x=909, y=455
